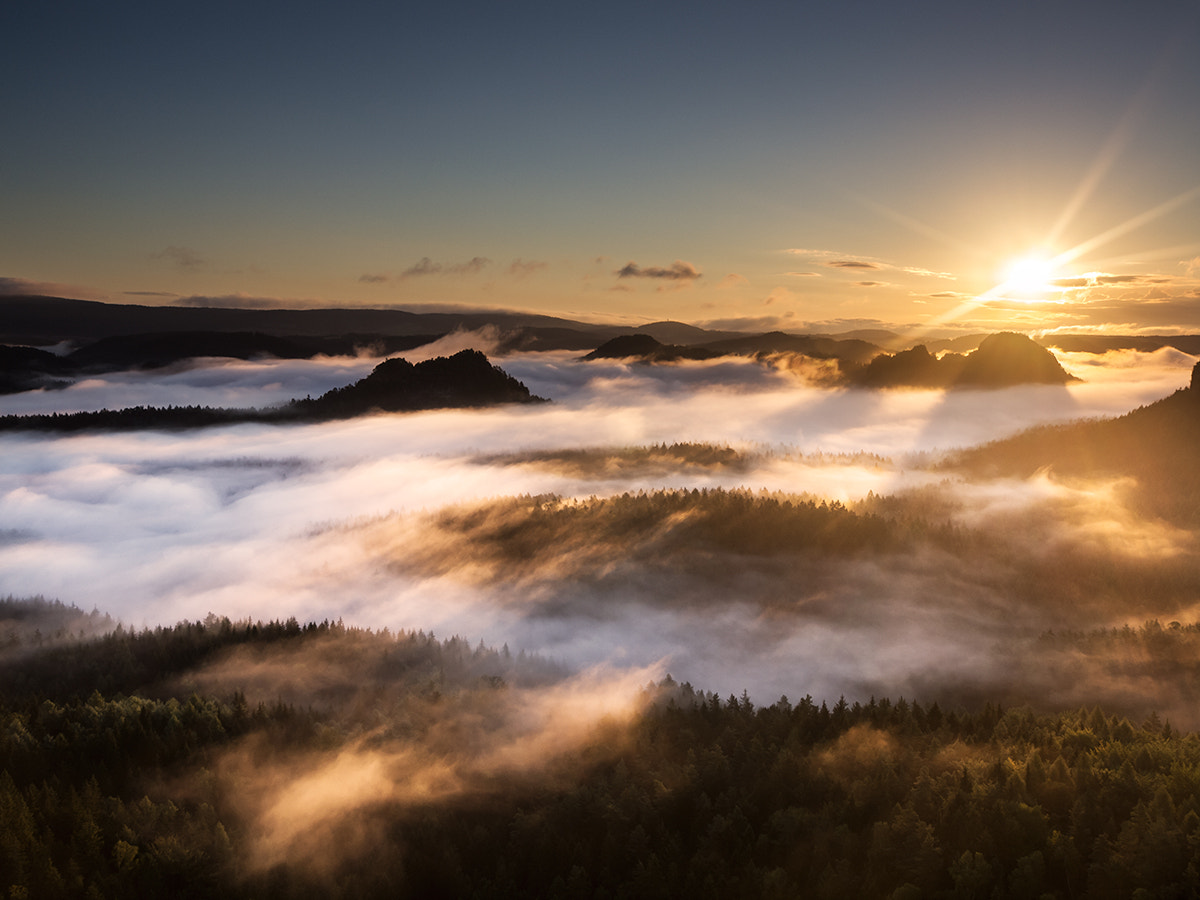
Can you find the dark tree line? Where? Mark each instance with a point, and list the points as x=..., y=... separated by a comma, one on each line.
x=112, y=794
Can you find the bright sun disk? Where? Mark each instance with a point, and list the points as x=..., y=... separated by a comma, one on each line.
x=1030, y=274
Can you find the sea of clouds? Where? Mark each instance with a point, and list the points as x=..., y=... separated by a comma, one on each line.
x=261, y=521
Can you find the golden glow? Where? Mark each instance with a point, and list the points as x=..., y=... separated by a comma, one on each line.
x=1032, y=274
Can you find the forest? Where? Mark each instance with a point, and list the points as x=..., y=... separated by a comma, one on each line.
x=129, y=765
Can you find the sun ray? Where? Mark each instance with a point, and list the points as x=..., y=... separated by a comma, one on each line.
x=1131, y=223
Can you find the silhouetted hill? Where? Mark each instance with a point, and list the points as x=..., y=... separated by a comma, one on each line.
x=648, y=349
x=916, y=367
x=1007, y=359
x=396, y=385
x=28, y=368
x=1001, y=360
x=466, y=379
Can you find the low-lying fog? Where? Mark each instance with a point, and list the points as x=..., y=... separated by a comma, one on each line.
x=265, y=521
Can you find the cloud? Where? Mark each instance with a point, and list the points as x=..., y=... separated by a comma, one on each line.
x=949, y=295
x=677, y=271
x=731, y=280
x=496, y=721
x=836, y=260
x=426, y=266
x=1098, y=279
x=149, y=294
x=804, y=274
x=373, y=279
x=927, y=273
x=1127, y=315
x=871, y=283
x=780, y=295
x=521, y=268
x=183, y=258
x=264, y=521
x=851, y=264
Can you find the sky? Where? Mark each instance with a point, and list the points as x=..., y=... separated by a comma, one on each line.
x=809, y=166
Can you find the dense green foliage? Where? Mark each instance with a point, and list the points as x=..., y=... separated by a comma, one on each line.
x=125, y=794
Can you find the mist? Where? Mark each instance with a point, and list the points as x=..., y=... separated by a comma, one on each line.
x=329, y=521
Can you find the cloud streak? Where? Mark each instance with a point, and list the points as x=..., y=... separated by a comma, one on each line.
x=426, y=266
x=677, y=271
x=183, y=258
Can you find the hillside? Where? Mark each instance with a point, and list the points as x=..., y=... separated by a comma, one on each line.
x=1159, y=445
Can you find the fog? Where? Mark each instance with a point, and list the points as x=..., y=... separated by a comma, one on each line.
x=329, y=521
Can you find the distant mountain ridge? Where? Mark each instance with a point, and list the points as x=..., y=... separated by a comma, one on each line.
x=1001, y=360
x=1005, y=359
x=38, y=320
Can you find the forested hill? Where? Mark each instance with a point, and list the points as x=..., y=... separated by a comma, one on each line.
x=465, y=379
x=1159, y=445
x=434, y=768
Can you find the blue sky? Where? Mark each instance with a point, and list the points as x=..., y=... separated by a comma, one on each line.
x=773, y=164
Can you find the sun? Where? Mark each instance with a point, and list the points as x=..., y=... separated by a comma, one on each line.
x=1030, y=274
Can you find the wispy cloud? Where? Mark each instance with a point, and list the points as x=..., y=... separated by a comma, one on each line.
x=733, y=279
x=183, y=258
x=373, y=278
x=836, y=259
x=426, y=266
x=677, y=271
x=871, y=283
x=851, y=264
x=1099, y=279
x=927, y=273
x=522, y=268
